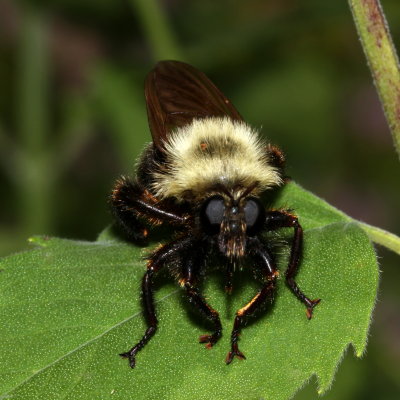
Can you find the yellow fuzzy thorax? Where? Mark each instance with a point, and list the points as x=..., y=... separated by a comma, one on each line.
x=210, y=152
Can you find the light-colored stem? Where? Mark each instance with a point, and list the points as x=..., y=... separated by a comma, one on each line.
x=157, y=29
x=382, y=59
x=382, y=237
x=34, y=171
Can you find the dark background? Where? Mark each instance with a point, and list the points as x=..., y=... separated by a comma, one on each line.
x=72, y=118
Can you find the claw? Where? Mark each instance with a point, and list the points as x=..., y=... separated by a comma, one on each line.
x=210, y=340
x=235, y=352
x=131, y=357
x=310, y=309
x=205, y=338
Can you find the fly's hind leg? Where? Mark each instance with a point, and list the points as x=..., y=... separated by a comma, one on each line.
x=148, y=301
x=281, y=219
x=155, y=263
x=197, y=299
x=266, y=292
x=189, y=280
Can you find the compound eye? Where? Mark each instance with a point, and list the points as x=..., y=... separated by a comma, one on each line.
x=213, y=213
x=254, y=215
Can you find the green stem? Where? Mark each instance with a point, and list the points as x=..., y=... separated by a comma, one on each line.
x=157, y=29
x=34, y=172
x=382, y=58
x=382, y=237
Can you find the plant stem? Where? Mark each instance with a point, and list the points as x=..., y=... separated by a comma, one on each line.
x=382, y=59
x=382, y=237
x=33, y=168
x=157, y=30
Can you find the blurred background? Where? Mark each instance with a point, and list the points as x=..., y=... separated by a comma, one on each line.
x=72, y=118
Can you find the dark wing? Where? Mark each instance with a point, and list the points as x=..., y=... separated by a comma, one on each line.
x=176, y=93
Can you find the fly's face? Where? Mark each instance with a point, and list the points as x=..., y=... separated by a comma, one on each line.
x=232, y=221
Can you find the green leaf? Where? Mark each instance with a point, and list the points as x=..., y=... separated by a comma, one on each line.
x=69, y=307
